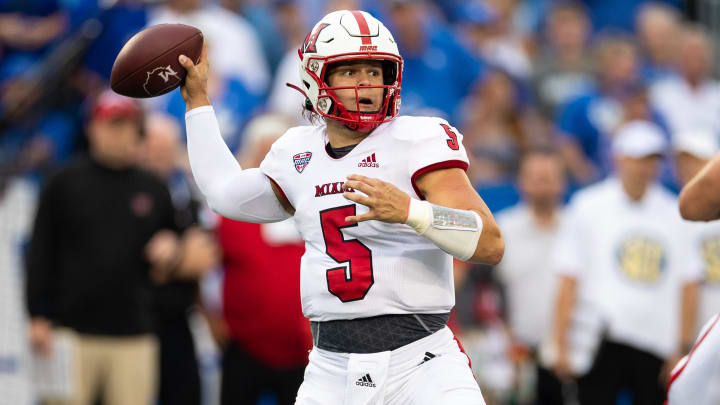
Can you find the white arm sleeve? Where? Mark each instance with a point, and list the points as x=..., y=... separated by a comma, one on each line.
x=244, y=195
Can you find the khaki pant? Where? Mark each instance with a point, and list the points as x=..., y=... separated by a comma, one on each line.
x=121, y=370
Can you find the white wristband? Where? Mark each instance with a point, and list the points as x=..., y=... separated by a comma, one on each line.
x=455, y=231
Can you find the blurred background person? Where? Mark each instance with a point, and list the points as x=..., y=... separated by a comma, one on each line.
x=626, y=250
x=267, y=337
x=102, y=231
x=691, y=99
x=563, y=65
x=658, y=26
x=586, y=122
x=175, y=299
x=495, y=137
x=531, y=230
x=489, y=30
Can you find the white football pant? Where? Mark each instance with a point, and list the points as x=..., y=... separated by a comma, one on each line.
x=430, y=371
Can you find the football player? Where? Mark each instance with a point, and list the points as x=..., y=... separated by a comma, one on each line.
x=383, y=204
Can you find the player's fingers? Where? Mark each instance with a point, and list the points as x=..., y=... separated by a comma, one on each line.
x=358, y=198
x=360, y=218
x=358, y=185
x=186, y=62
x=204, y=54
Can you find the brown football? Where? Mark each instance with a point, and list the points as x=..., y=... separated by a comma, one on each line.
x=147, y=66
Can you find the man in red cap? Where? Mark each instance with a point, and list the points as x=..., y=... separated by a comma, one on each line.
x=104, y=231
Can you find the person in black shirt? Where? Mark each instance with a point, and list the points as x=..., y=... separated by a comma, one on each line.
x=104, y=230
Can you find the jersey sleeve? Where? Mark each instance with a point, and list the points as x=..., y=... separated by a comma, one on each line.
x=275, y=167
x=435, y=145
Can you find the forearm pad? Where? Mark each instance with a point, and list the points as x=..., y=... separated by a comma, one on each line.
x=454, y=231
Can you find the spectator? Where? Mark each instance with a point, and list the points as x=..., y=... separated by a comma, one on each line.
x=625, y=251
x=563, y=68
x=438, y=71
x=495, y=137
x=235, y=50
x=269, y=338
x=657, y=28
x=179, y=373
x=691, y=100
x=693, y=151
x=531, y=229
x=103, y=229
x=489, y=29
x=587, y=121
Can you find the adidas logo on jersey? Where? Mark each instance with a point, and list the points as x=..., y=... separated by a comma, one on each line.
x=365, y=381
x=369, y=162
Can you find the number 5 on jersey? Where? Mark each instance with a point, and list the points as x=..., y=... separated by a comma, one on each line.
x=349, y=283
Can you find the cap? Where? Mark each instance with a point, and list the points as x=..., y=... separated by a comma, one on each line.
x=110, y=105
x=638, y=139
x=702, y=143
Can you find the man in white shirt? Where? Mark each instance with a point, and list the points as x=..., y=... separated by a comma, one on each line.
x=530, y=230
x=690, y=99
x=625, y=251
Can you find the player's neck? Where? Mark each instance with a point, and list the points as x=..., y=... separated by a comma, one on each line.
x=339, y=135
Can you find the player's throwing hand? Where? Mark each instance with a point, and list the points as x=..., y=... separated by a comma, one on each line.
x=387, y=203
x=194, y=89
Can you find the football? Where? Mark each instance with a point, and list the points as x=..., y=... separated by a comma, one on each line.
x=147, y=66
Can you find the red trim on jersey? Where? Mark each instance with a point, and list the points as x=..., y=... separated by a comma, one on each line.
x=448, y=164
x=676, y=374
x=462, y=349
x=363, y=25
x=282, y=193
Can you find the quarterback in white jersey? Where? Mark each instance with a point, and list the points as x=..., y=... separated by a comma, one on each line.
x=383, y=204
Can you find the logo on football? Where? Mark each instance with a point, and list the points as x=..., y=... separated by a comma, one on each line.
x=301, y=161
x=153, y=84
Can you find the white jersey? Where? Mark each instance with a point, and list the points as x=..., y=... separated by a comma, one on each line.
x=696, y=378
x=372, y=268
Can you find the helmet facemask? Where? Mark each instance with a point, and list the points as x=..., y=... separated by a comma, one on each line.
x=352, y=116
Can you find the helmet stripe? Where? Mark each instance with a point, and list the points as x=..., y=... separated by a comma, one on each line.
x=363, y=25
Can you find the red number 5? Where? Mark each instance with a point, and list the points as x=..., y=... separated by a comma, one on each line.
x=452, y=142
x=351, y=283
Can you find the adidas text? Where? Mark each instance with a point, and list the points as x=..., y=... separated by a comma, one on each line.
x=365, y=384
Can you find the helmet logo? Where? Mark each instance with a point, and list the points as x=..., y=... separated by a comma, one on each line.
x=322, y=103
x=368, y=48
x=311, y=39
x=314, y=66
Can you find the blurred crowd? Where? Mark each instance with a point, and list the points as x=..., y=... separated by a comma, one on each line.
x=582, y=120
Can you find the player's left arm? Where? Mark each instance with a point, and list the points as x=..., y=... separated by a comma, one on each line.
x=699, y=200
x=454, y=217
